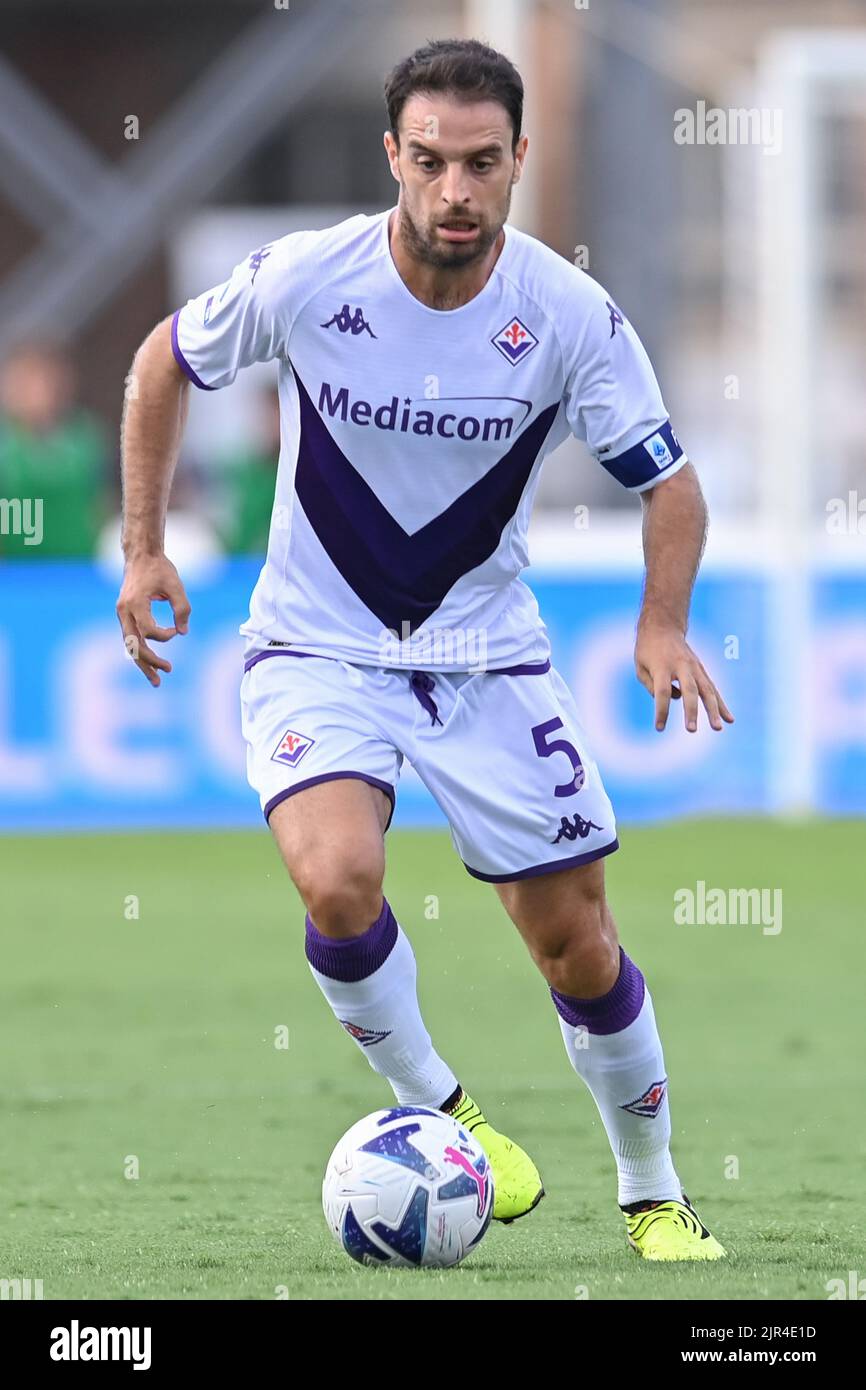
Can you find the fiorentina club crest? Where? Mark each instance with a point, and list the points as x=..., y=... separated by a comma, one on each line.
x=291, y=748
x=650, y=1103
x=365, y=1036
x=514, y=341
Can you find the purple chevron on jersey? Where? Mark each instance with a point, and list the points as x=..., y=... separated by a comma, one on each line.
x=403, y=577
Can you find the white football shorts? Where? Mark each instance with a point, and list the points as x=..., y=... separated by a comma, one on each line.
x=502, y=752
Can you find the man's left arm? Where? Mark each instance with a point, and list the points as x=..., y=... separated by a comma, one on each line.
x=674, y=531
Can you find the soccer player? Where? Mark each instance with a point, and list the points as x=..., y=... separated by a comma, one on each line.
x=430, y=357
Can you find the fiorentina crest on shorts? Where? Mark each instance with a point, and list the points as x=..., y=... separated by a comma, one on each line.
x=291, y=748
x=514, y=341
x=650, y=1103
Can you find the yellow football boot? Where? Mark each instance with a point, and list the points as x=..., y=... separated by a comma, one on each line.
x=670, y=1230
x=517, y=1185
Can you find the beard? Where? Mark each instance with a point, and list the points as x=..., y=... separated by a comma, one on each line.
x=423, y=245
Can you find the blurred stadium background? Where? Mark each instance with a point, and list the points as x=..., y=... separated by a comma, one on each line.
x=144, y=149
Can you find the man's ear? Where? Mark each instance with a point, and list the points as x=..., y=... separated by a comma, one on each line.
x=522, y=144
x=392, y=152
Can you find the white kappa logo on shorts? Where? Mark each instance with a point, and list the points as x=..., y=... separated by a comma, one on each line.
x=291, y=748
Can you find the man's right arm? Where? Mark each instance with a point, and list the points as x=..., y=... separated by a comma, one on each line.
x=154, y=416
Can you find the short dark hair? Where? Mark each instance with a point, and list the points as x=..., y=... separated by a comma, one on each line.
x=465, y=67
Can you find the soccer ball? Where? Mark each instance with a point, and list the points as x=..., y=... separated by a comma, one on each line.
x=408, y=1187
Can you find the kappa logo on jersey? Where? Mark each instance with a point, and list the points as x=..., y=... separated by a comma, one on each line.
x=575, y=828
x=365, y=1036
x=347, y=322
x=650, y=1103
x=616, y=317
x=291, y=748
x=658, y=450
x=256, y=260
x=514, y=341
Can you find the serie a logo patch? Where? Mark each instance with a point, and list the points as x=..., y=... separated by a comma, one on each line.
x=658, y=451
x=291, y=748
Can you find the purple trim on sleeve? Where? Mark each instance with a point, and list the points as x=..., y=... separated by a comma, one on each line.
x=263, y=656
x=353, y=958
x=181, y=360
x=332, y=777
x=551, y=868
x=610, y=1012
x=525, y=670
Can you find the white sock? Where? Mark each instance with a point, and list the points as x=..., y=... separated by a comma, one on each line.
x=369, y=982
x=613, y=1044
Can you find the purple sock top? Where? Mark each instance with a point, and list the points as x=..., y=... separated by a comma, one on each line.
x=610, y=1012
x=355, y=957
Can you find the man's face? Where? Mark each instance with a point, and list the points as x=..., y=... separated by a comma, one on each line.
x=456, y=171
x=36, y=388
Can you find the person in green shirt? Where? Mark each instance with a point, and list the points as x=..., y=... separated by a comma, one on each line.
x=53, y=459
x=247, y=482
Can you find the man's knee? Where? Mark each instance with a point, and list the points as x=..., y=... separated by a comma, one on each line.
x=571, y=932
x=342, y=898
x=583, y=958
x=331, y=839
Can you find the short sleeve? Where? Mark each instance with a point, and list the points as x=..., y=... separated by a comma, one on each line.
x=613, y=401
x=232, y=325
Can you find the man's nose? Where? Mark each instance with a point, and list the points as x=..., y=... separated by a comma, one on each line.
x=455, y=189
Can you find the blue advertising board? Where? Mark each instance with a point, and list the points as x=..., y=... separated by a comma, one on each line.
x=85, y=742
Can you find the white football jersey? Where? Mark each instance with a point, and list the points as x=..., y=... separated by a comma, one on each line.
x=413, y=438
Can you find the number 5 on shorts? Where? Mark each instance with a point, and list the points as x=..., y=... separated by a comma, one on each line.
x=545, y=746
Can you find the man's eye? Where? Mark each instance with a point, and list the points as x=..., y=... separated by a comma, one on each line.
x=482, y=165
x=427, y=164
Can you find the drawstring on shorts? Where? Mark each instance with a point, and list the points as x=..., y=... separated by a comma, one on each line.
x=422, y=683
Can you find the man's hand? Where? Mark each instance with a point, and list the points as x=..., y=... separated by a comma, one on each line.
x=662, y=655
x=147, y=578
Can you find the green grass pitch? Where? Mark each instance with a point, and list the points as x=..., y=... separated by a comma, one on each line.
x=152, y=1040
